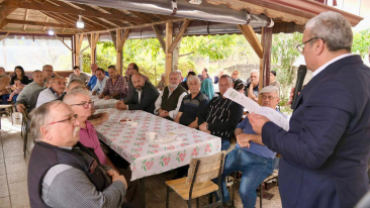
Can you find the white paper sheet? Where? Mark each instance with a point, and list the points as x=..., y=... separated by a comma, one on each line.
x=253, y=107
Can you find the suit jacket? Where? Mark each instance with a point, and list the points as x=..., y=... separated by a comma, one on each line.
x=148, y=97
x=325, y=153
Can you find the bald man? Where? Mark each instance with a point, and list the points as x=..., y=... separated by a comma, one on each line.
x=57, y=87
x=24, y=97
x=143, y=98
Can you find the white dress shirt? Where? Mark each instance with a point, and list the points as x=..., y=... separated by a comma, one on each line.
x=172, y=113
x=321, y=68
x=99, y=86
x=46, y=96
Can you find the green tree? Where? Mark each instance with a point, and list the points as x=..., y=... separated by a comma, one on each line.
x=361, y=42
x=283, y=55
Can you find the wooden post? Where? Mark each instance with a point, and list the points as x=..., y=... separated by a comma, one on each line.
x=169, y=40
x=267, y=43
x=93, y=41
x=78, y=39
x=261, y=62
x=120, y=42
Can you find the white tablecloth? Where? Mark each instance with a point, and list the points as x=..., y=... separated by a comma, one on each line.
x=146, y=158
x=102, y=104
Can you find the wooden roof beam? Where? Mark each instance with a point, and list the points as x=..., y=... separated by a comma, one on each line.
x=252, y=38
x=4, y=12
x=159, y=37
x=25, y=18
x=66, y=10
x=4, y=36
x=90, y=9
x=46, y=24
x=142, y=16
x=90, y=23
x=179, y=36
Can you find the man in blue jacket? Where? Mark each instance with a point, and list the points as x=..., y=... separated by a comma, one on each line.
x=325, y=153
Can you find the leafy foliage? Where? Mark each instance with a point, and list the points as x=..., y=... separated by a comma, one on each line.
x=361, y=42
x=283, y=55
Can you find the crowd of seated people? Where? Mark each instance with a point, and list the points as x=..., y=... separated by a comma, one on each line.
x=192, y=103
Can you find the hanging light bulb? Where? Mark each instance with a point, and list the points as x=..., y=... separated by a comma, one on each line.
x=80, y=23
x=51, y=32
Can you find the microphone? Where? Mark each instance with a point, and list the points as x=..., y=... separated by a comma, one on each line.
x=302, y=70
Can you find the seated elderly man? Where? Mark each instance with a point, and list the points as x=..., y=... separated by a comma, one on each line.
x=192, y=104
x=61, y=171
x=142, y=98
x=221, y=114
x=80, y=101
x=24, y=97
x=116, y=86
x=169, y=101
x=100, y=82
x=184, y=84
x=56, y=89
x=251, y=90
x=250, y=156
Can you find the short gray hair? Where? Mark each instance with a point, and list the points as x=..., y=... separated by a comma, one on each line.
x=47, y=65
x=175, y=72
x=255, y=70
x=333, y=28
x=41, y=116
x=79, y=90
x=75, y=81
x=192, y=78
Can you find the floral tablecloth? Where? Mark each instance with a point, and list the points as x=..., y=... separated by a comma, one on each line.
x=129, y=141
x=102, y=104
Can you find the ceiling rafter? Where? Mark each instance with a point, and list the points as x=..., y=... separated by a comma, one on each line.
x=66, y=10
x=4, y=12
x=47, y=24
x=103, y=22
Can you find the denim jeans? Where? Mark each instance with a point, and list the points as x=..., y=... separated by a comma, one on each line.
x=4, y=99
x=225, y=144
x=254, y=170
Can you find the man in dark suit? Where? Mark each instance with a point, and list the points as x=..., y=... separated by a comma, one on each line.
x=142, y=98
x=325, y=153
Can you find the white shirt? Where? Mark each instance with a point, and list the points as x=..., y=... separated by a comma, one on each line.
x=45, y=96
x=172, y=113
x=139, y=95
x=321, y=68
x=100, y=85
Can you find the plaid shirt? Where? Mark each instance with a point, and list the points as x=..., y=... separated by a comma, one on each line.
x=120, y=86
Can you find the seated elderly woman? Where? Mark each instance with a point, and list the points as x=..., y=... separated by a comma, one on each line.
x=80, y=101
x=64, y=173
x=192, y=104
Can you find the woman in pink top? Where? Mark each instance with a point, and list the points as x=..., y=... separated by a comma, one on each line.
x=80, y=101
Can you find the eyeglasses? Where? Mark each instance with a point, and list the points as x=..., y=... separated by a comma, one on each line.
x=86, y=104
x=301, y=46
x=268, y=97
x=71, y=119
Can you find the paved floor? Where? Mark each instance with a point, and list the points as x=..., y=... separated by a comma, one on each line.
x=13, y=177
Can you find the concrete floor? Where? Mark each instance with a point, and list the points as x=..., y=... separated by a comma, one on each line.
x=13, y=177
